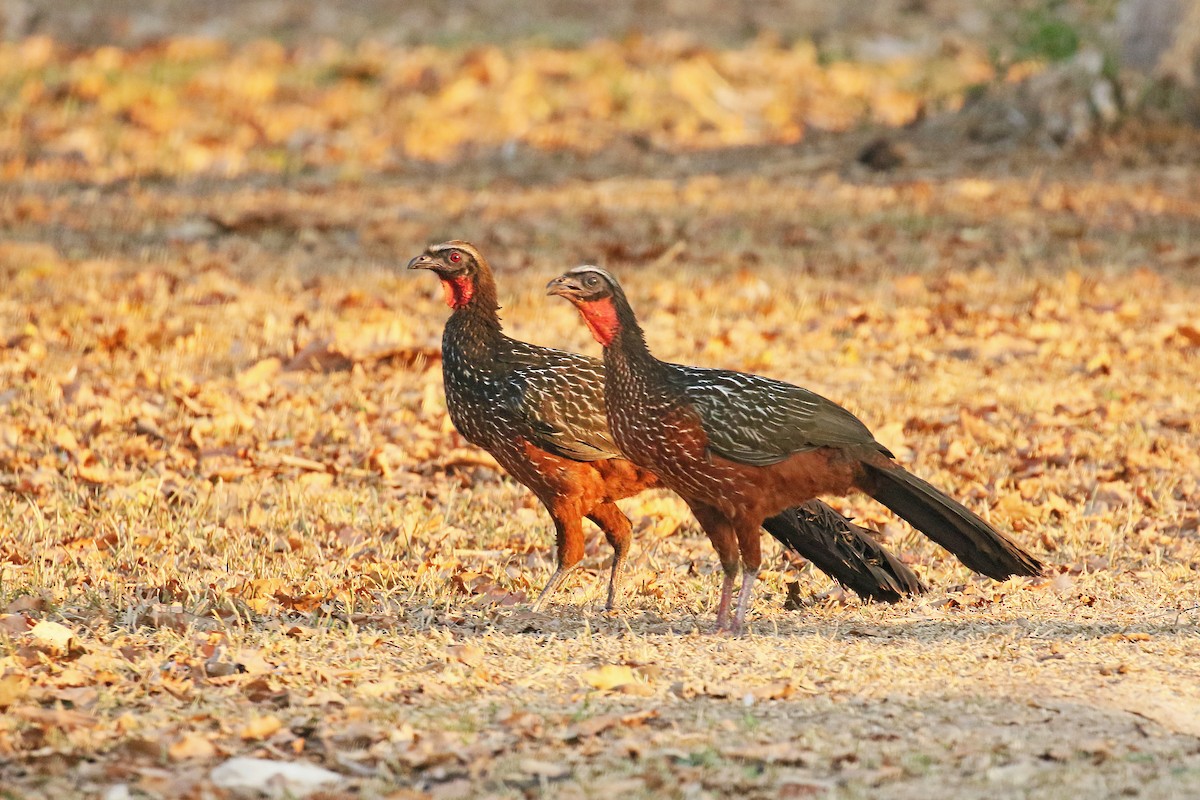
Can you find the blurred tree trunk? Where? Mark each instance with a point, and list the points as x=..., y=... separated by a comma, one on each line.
x=1159, y=43
x=1161, y=38
x=1156, y=44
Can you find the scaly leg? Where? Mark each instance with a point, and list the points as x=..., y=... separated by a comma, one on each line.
x=726, y=598
x=618, y=532
x=725, y=541
x=568, y=526
x=557, y=578
x=750, y=549
x=739, y=621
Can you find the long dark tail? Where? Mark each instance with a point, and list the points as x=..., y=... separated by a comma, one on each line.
x=844, y=551
x=976, y=543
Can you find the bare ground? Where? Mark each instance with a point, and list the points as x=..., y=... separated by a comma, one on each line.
x=373, y=592
x=227, y=476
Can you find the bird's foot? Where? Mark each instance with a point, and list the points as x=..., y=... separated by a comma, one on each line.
x=610, y=605
x=537, y=605
x=732, y=630
x=727, y=625
x=556, y=579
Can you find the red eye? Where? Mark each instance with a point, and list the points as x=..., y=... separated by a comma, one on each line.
x=455, y=257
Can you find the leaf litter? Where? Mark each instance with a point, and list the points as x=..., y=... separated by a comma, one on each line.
x=239, y=524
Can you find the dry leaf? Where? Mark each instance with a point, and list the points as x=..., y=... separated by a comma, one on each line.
x=14, y=624
x=594, y=726
x=318, y=356
x=467, y=654
x=26, y=602
x=191, y=747
x=56, y=637
x=55, y=718
x=13, y=687
x=609, y=676
x=260, y=727
x=255, y=383
x=1189, y=332
x=773, y=753
x=252, y=662
x=273, y=778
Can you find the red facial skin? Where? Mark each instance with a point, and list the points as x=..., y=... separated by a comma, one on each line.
x=458, y=291
x=601, y=319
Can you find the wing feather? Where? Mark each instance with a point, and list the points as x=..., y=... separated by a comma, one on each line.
x=759, y=421
x=560, y=396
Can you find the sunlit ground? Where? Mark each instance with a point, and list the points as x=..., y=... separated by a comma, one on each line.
x=228, y=475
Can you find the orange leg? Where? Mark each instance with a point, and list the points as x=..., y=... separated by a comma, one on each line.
x=725, y=541
x=568, y=525
x=619, y=532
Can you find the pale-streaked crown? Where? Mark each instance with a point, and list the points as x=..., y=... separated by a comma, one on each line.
x=456, y=244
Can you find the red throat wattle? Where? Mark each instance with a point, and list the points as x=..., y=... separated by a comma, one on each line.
x=458, y=291
x=601, y=319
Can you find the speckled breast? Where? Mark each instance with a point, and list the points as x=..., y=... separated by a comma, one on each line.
x=664, y=435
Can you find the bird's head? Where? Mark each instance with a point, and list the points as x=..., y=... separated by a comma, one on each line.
x=459, y=266
x=596, y=294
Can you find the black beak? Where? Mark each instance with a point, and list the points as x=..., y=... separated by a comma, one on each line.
x=563, y=286
x=423, y=261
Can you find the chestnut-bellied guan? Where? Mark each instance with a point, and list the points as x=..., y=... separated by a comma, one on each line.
x=540, y=413
x=739, y=448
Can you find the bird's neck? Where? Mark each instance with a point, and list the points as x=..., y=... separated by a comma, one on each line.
x=614, y=325
x=459, y=291
x=602, y=320
x=474, y=327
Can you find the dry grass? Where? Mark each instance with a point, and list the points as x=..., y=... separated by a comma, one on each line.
x=227, y=470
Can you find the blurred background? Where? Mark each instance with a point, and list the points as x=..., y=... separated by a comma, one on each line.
x=300, y=93
x=124, y=89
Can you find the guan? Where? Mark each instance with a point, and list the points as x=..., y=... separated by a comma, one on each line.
x=739, y=448
x=540, y=413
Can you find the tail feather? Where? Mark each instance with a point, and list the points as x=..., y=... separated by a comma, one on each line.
x=976, y=543
x=844, y=551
